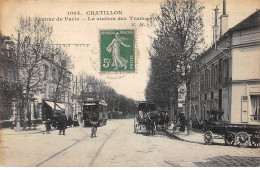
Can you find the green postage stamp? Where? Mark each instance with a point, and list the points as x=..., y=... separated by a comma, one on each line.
x=117, y=50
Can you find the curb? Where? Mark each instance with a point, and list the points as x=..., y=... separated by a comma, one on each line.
x=22, y=133
x=172, y=135
x=184, y=140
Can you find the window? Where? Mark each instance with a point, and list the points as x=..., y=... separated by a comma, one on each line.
x=54, y=73
x=226, y=70
x=255, y=106
x=196, y=89
x=212, y=75
x=46, y=72
x=216, y=74
x=206, y=79
x=202, y=82
x=220, y=71
x=191, y=91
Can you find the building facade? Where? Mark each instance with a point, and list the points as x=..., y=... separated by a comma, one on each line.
x=55, y=88
x=229, y=75
x=8, y=76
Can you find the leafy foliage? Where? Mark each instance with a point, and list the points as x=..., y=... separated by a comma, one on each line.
x=178, y=32
x=90, y=87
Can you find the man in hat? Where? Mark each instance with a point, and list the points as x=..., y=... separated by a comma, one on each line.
x=62, y=123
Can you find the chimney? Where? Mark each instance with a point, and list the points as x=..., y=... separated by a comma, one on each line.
x=215, y=27
x=223, y=20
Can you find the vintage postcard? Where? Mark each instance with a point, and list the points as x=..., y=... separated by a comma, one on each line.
x=129, y=83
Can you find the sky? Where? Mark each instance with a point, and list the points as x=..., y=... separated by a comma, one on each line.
x=84, y=31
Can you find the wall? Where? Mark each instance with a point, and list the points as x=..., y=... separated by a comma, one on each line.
x=246, y=54
x=239, y=90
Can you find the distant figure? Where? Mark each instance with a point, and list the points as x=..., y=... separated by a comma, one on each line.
x=48, y=125
x=62, y=123
x=94, y=124
x=182, y=121
x=75, y=122
x=93, y=129
x=70, y=121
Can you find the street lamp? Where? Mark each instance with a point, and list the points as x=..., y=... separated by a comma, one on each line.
x=18, y=121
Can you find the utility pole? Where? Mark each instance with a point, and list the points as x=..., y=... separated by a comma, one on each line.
x=75, y=97
x=18, y=120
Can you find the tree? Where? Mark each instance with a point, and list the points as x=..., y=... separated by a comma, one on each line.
x=178, y=33
x=61, y=75
x=33, y=46
x=90, y=87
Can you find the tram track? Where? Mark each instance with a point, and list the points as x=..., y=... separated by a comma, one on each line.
x=99, y=150
x=80, y=140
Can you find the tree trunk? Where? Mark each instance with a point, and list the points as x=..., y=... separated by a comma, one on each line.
x=175, y=104
x=188, y=97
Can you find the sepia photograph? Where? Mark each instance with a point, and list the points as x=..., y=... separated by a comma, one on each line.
x=129, y=83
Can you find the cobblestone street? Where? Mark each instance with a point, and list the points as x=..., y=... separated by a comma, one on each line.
x=117, y=145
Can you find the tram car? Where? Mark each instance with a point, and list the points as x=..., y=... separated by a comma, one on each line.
x=94, y=109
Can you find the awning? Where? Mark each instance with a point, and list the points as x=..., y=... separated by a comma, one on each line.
x=51, y=104
x=61, y=106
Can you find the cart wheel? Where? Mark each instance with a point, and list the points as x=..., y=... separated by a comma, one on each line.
x=254, y=140
x=208, y=137
x=230, y=138
x=242, y=139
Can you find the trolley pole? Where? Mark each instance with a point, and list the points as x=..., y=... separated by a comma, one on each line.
x=18, y=120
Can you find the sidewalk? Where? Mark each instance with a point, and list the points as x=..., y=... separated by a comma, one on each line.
x=9, y=131
x=195, y=136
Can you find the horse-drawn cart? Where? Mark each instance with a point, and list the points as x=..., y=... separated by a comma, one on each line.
x=144, y=119
x=233, y=134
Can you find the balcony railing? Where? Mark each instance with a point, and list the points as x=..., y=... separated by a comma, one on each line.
x=255, y=118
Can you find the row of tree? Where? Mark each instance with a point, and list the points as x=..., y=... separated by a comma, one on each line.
x=176, y=42
x=86, y=86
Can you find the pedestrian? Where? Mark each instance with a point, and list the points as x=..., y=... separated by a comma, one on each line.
x=48, y=125
x=94, y=124
x=182, y=121
x=62, y=123
x=70, y=121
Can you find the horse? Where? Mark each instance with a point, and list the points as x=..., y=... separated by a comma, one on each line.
x=150, y=124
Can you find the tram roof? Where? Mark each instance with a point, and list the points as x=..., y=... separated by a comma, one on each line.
x=94, y=102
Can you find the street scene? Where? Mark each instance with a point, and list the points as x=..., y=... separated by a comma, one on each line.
x=117, y=145
x=114, y=85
